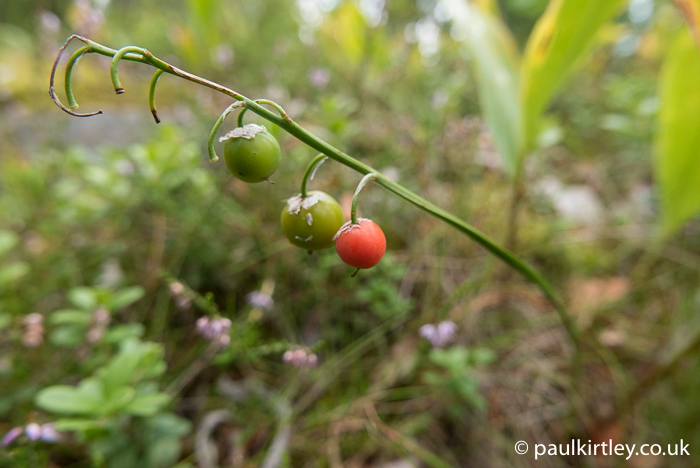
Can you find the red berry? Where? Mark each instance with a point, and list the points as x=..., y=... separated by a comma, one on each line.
x=360, y=245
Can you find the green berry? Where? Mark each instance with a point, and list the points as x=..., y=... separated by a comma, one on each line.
x=251, y=153
x=311, y=222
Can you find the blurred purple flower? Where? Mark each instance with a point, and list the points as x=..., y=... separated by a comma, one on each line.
x=176, y=288
x=11, y=436
x=33, y=431
x=215, y=329
x=49, y=433
x=86, y=19
x=439, y=335
x=260, y=300
x=95, y=334
x=32, y=339
x=319, y=77
x=224, y=340
x=223, y=54
x=101, y=316
x=183, y=302
x=33, y=319
x=300, y=358
x=49, y=22
x=202, y=324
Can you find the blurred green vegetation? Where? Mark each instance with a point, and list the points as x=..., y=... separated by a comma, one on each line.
x=116, y=214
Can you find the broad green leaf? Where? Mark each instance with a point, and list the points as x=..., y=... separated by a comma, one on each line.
x=67, y=335
x=13, y=272
x=678, y=139
x=121, y=369
x=126, y=296
x=82, y=297
x=147, y=405
x=164, y=452
x=456, y=358
x=8, y=240
x=120, y=333
x=558, y=41
x=70, y=316
x=483, y=356
x=169, y=425
x=135, y=361
x=154, y=369
x=64, y=399
x=496, y=63
x=117, y=399
x=75, y=424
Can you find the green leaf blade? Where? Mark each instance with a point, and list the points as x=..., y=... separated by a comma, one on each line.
x=496, y=67
x=147, y=405
x=560, y=38
x=64, y=399
x=125, y=297
x=677, y=163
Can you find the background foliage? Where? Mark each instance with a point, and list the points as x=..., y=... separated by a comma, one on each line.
x=121, y=235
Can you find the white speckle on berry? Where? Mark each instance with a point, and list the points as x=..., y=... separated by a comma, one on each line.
x=348, y=226
x=247, y=131
x=297, y=202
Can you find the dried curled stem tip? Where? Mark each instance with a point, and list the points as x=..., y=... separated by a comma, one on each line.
x=355, y=274
x=212, y=135
x=52, y=91
x=118, y=88
x=152, y=94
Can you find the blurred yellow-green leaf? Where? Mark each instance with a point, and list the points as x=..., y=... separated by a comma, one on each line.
x=344, y=36
x=8, y=240
x=561, y=36
x=13, y=272
x=678, y=139
x=496, y=63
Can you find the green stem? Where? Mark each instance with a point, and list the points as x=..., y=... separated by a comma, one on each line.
x=294, y=129
x=310, y=171
x=517, y=193
x=72, y=61
x=152, y=94
x=118, y=88
x=356, y=195
x=261, y=101
x=210, y=143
